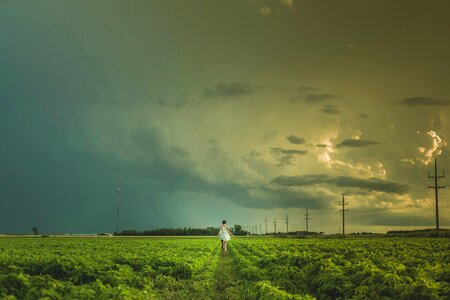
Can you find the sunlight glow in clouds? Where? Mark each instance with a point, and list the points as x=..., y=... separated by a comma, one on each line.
x=438, y=144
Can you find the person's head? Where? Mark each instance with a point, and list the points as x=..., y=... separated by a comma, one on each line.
x=224, y=222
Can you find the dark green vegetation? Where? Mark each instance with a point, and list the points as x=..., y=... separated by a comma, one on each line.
x=209, y=231
x=193, y=268
x=359, y=268
x=420, y=233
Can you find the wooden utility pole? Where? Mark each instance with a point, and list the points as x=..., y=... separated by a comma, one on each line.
x=287, y=224
x=275, y=226
x=343, y=203
x=307, y=214
x=436, y=192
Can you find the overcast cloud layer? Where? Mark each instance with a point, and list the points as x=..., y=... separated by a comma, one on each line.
x=209, y=110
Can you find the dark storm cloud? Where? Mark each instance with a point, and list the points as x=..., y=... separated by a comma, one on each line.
x=422, y=101
x=160, y=160
x=287, y=156
x=321, y=145
x=171, y=167
x=371, y=184
x=288, y=151
x=230, y=90
x=364, y=116
x=354, y=143
x=312, y=95
x=387, y=218
x=307, y=89
x=293, y=139
x=331, y=110
x=271, y=196
x=318, y=97
x=179, y=102
x=286, y=197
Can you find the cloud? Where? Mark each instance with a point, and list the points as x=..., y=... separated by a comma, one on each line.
x=318, y=97
x=289, y=4
x=387, y=218
x=364, y=116
x=232, y=90
x=307, y=89
x=371, y=184
x=289, y=151
x=331, y=110
x=179, y=102
x=287, y=156
x=264, y=10
x=422, y=101
x=276, y=6
x=312, y=95
x=437, y=145
x=269, y=196
x=356, y=143
x=293, y=139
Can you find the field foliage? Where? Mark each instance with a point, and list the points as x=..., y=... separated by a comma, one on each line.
x=192, y=268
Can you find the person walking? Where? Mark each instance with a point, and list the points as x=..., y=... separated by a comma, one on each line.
x=224, y=236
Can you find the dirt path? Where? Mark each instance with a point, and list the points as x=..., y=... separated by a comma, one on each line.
x=227, y=284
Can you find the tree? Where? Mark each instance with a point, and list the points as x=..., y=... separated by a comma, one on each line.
x=35, y=230
x=237, y=230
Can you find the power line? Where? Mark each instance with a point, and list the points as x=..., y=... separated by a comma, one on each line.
x=436, y=191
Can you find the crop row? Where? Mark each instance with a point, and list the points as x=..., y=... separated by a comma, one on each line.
x=348, y=269
x=105, y=268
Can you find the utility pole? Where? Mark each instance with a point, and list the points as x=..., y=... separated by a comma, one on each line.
x=117, y=212
x=343, y=203
x=436, y=192
x=266, y=224
x=275, y=226
x=287, y=224
x=307, y=214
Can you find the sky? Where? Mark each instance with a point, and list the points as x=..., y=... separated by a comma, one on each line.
x=208, y=110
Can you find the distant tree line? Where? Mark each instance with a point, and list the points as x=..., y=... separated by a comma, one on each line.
x=186, y=231
x=420, y=233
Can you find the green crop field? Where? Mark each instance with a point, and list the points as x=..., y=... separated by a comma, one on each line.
x=193, y=268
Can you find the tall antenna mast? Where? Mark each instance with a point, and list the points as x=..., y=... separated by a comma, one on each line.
x=117, y=212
